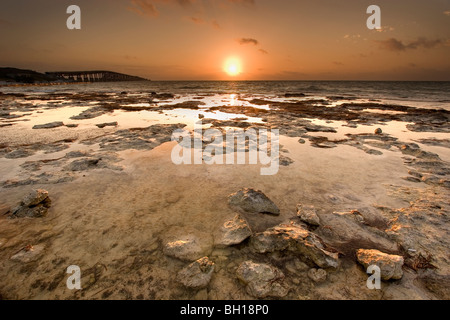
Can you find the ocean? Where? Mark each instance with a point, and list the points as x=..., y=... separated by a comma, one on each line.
x=416, y=94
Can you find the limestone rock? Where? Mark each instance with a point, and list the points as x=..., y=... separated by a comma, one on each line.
x=187, y=248
x=262, y=280
x=295, y=239
x=49, y=125
x=108, y=124
x=390, y=265
x=27, y=254
x=35, y=197
x=35, y=205
x=234, y=232
x=198, y=274
x=251, y=200
x=317, y=275
x=308, y=214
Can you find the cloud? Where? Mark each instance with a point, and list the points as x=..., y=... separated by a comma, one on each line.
x=197, y=20
x=251, y=41
x=447, y=13
x=144, y=8
x=393, y=44
x=337, y=63
x=244, y=41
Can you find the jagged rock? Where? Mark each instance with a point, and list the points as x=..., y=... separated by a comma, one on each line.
x=234, y=232
x=34, y=205
x=317, y=275
x=188, y=248
x=295, y=239
x=308, y=214
x=83, y=164
x=262, y=280
x=27, y=254
x=35, y=197
x=350, y=231
x=198, y=274
x=390, y=265
x=49, y=125
x=251, y=200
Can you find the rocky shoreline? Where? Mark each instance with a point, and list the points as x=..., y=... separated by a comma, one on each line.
x=289, y=238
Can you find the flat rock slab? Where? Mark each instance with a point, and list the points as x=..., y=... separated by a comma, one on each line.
x=350, y=231
x=390, y=265
x=233, y=232
x=251, y=200
x=28, y=254
x=4, y=209
x=108, y=124
x=49, y=125
x=197, y=275
x=295, y=239
x=262, y=280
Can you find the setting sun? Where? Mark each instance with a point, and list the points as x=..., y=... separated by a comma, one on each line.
x=233, y=67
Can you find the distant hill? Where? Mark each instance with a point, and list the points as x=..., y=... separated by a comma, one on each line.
x=14, y=75
x=23, y=76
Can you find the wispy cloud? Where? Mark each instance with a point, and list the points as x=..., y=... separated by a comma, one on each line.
x=447, y=13
x=252, y=42
x=144, y=8
x=197, y=20
x=394, y=44
x=244, y=41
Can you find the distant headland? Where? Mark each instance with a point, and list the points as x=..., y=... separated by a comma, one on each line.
x=14, y=76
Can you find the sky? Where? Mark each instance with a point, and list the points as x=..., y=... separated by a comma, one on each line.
x=266, y=39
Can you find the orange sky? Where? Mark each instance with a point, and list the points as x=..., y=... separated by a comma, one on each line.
x=192, y=39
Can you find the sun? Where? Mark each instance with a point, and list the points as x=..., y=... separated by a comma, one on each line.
x=233, y=67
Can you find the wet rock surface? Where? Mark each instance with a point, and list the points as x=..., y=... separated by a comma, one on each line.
x=34, y=205
x=262, y=280
x=390, y=265
x=308, y=214
x=49, y=125
x=297, y=240
x=234, y=232
x=251, y=200
x=413, y=224
x=198, y=274
x=187, y=248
